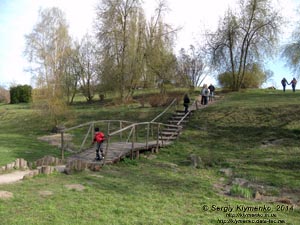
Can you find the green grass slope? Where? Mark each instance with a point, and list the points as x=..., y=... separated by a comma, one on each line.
x=19, y=128
x=253, y=134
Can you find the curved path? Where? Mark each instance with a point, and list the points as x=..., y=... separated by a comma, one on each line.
x=13, y=177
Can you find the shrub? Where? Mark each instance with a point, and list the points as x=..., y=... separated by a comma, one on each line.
x=20, y=94
x=160, y=100
x=254, y=77
x=238, y=191
x=157, y=100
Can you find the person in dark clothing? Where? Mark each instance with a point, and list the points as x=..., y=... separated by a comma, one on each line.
x=211, y=89
x=284, y=82
x=204, y=95
x=186, y=102
x=293, y=83
x=99, y=139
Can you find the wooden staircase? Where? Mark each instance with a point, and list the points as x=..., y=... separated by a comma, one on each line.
x=171, y=133
x=116, y=150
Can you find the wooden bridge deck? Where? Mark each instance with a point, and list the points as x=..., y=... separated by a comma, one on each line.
x=117, y=151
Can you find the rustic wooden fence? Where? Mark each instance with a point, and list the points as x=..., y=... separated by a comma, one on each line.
x=171, y=108
x=87, y=134
x=121, y=131
x=149, y=137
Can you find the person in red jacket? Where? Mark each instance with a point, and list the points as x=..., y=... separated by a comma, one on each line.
x=99, y=138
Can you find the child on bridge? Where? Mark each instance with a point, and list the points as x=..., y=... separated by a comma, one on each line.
x=99, y=138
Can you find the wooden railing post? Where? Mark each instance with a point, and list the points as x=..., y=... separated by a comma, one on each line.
x=157, y=138
x=121, y=133
x=136, y=133
x=93, y=131
x=106, y=149
x=162, y=140
x=86, y=136
x=147, y=137
x=62, y=145
x=152, y=131
x=108, y=127
x=132, y=142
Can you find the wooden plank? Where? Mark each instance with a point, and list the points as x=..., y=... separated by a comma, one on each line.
x=116, y=151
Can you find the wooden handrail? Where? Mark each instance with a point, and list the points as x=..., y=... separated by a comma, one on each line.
x=174, y=100
x=133, y=126
x=131, y=135
x=90, y=130
x=141, y=123
x=188, y=113
x=89, y=123
x=126, y=128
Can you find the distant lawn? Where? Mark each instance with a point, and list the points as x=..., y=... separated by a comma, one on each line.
x=255, y=133
x=20, y=125
x=19, y=128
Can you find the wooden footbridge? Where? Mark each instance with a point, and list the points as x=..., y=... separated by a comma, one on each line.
x=124, y=138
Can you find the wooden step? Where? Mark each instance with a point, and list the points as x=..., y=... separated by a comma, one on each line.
x=176, y=121
x=177, y=118
x=179, y=111
x=171, y=128
x=163, y=138
x=168, y=134
x=182, y=114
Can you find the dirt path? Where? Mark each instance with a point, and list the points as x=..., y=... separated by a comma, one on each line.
x=13, y=177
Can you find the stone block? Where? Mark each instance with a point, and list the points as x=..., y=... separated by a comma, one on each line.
x=196, y=161
x=17, y=163
x=46, y=170
x=226, y=171
x=23, y=164
x=8, y=166
x=60, y=168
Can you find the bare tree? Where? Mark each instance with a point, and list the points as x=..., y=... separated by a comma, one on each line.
x=73, y=71
x=161, y=62
x=192, y=66
x=133, y=52
x=120, y=30
x=244, y=37
x=291, y=51
x=255, y=76
x=47, y=48
x=88, y=66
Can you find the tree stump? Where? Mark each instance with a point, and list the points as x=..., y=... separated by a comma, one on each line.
x=46, y=170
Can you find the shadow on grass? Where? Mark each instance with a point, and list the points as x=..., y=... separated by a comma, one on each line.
x=28, y=148
x=158, y=177
x=287, y=164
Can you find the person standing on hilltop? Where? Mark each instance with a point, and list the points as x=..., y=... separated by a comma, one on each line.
x=204, y=95
x=284, y=82
x=293, y=83
x=211, y=89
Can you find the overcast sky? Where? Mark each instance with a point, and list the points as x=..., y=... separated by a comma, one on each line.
x=18, y=17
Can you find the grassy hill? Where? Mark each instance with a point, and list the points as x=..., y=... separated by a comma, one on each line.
x=248, y=143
